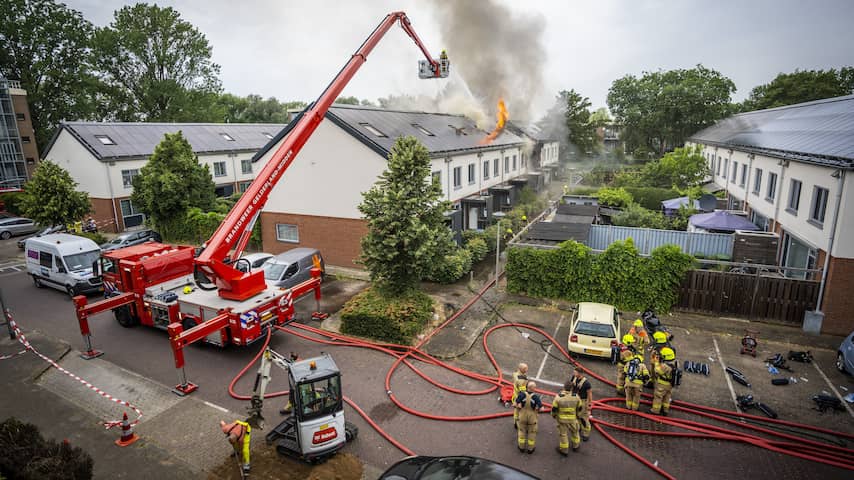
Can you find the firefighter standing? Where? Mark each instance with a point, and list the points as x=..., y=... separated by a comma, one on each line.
x=528, y=404
x=659, y=341
x=642, y=339
x=520, y=379
x=636, y=374
x=627, y=352
x=238, y=434
x=565, y=409
x=585, y=393
x=666, y=370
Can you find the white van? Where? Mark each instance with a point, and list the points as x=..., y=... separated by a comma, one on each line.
x=64, y=262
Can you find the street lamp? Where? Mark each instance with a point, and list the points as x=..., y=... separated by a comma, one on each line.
x=498, y=216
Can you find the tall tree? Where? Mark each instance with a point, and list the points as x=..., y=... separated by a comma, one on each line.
x=801, y=86
x=683, y=168
x=172, y=182
x=570, y=121
x=156, y=67
x=405, y=215
x=41, y=44
x=50, y=197
x=659, y=110
x=255, y=109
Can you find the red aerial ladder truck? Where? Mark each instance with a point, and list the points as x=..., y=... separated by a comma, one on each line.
x=214, y=296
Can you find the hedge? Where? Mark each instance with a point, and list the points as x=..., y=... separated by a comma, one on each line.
x=27, y=455
x=619, y=276
x=396, y=319
x=651, y=197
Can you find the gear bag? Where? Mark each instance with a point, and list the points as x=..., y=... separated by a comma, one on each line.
x=632, y=369
x=676, y=374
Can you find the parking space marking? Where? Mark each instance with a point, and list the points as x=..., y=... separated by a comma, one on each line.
x=833, y=388
x=549, y=349
x=536, y=379
x=726, y=375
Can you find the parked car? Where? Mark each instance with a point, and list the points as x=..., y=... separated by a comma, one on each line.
x=131, y=238
x=16, y=226
x=41, y=233
x=452, y=468
x=292, y=267
x=594, y=329
x=845, y=355
x=256, y=260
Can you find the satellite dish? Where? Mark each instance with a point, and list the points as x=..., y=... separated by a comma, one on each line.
x=707, y=202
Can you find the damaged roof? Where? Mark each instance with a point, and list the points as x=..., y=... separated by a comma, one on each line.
x=378, y=129
x=820, y=132
x=116, y=140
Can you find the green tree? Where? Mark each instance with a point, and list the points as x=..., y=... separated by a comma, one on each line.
x=172, y=182
x=801, y=86
x=582, y=131
x=255, y=109
x=50, y=197
x=347, y=100
x=405, y=214
x=41, y=44
x=659, y=110
x=156, y=67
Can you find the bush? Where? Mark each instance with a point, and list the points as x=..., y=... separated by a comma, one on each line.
x=614, y=197
x=94, y=236
x=636, y=216
x=11, y=202
x=396, y=319
x=619, y=276
x=651, y=197
x=478, y=249
x=451, y=267
x=27, y=455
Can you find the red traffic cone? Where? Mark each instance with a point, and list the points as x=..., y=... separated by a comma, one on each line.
x=128, y=437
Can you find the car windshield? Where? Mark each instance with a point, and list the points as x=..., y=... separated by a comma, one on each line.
x=595, y=329
x=81, y=261
x=273, y=270
x=119, y=240
x=321, y=397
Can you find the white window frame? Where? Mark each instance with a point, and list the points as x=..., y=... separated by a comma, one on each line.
x=818, y=200
x=772, y=187
x=757, y=182
x=105, y=140
x=224, y=169
x=287, y=233
x=243, y=164
x=734, y=171
x=486, y=169
x=795, y=187
x=128, y=176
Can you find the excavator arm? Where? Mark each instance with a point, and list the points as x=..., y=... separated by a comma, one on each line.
x=262, y=379
x=226, y=245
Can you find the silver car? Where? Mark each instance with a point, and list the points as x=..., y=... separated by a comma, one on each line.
x=16, y=226
x=291, y=268
x=845, y=355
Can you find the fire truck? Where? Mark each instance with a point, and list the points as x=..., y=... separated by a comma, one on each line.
x=210, y=294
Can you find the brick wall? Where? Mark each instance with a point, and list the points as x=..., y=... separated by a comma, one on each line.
x=102, y=212
x=838, y=303
x=336, y=238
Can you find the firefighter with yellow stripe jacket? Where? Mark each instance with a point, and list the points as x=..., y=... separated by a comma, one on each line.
x=566, y=408
x=529, y=405
x=520, y=380
x=666, y=375
x=636, y=374
x=627, y=352
x=585, y=393
x=659, y=341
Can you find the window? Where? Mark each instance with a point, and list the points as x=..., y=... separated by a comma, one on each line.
x=743, y=180
x=373, y=130
x=437, y=177
x=486, y=169
x=128, y=176
x=772, y=187
x=718, y=167
x=458, y=177
x=794, y=196
x=495, y=167
x=242, y=186
x=726, y=169
x=246, y=167
x=224, y=190
x=514, y=163
x=268, y=135
x=506, y=164
x=219, y=169
x=472, y=174
x=25, y=139
x=226, y=136
x=423, y=130
x=819, y=205
x=287, y=233
x=130, y=217
x=757, y=182
x=734, y=171
x=797, y=254
x=45, y=259
x=31, y=161
x=20, y=116
x=105, y=140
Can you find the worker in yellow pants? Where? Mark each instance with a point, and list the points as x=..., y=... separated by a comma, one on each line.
x=565, y=409
x=529, y=405
x=627, y=353
x=238, y=434
x=520, y=379
x=636, y=374
x=664, y=371
x=584, y=390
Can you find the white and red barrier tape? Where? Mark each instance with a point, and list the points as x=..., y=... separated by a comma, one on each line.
x=28, y=347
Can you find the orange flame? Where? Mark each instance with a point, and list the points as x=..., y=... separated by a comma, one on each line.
x=502, y=116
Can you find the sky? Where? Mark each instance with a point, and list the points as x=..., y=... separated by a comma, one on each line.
x=291, y=50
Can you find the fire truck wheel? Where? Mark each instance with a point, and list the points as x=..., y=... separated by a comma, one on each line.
x=125, y=317
x=188, y=323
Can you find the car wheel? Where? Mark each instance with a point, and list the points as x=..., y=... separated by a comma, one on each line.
x=125, y=317
x=840, y=362
x=37, y=282
x=6, y=235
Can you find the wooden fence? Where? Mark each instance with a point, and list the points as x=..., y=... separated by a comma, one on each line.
x=754, y=296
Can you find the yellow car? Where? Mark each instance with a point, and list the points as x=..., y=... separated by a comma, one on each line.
x=595, y=328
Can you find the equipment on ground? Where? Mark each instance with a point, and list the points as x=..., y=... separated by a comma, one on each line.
x=749, y=342
x=316, y=428
x=738, y=376
x=780, y=381
x=696, y=367
x=778, y=361
x=803, y=357
x=653, y=324
x=746, y=402
x=228, y=302
x=827, y=402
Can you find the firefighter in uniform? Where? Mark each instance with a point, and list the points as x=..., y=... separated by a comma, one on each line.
x=627, y=352
x=636, y=374
x=238, y=434
x=565, y=409
x=659, y=341
x=585, y=393
x=642, y=339
x=520, y=379
x=665, y=371
x=529, y=404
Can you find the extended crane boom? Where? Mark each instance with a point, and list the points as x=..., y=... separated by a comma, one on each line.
x=229, y=240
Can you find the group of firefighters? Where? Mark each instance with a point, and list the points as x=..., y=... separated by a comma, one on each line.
x=571, y=407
